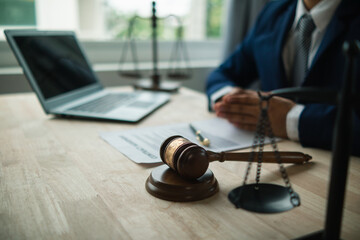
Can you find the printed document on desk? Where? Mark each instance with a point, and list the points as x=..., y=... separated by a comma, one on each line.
x=142, y=145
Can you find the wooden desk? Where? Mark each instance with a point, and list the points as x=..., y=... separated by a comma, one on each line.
x=60, y=180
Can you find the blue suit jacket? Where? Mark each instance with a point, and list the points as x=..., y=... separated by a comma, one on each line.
x=259, y=56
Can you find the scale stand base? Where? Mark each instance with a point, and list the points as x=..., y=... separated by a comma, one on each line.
x=163, y=86
x=263, y=198
x=312, y=236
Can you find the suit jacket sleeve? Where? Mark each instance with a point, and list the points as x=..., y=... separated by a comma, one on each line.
x=253, y=59
x=317, y=121
x=316, y=127
x=238, y=70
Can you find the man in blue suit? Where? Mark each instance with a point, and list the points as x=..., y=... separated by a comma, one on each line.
x=272, y=54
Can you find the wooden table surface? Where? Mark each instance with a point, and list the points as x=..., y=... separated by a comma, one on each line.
x=60, y=180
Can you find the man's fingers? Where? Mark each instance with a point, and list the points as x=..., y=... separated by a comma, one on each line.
x=243, y=119
x=241, y=108
x=237, y=90
x=245, y=109
x=250, y=98
x=238, y=118
x=247, y=127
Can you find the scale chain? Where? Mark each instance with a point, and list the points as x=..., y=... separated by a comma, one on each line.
x=261, y=146
x=253, y=147
x=281, y=165
x=264, y=127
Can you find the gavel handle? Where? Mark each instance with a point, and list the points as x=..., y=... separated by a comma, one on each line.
x=267, y=157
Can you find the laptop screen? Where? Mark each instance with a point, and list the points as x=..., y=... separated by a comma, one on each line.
x=56, y=62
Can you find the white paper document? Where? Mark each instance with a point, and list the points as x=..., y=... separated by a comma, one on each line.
x=142, y=145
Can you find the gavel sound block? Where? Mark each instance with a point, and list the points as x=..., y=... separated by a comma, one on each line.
x=187, y=177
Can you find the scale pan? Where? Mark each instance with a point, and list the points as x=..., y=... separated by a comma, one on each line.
x=130, y=74
x=263, y=198
x=179, y=76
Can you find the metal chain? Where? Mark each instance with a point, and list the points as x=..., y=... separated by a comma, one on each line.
x=284, y=175
x=264, y=126
x=255, y=144
x=258, y=142
x=262, y=143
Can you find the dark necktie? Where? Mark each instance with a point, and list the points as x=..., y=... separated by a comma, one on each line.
x=303, y=32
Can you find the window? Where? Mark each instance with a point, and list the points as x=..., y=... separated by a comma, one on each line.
x=102, y=25
x=109, y=19
x=17, y=13
x=200, y=18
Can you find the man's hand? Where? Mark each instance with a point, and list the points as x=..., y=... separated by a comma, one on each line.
x=241, y=108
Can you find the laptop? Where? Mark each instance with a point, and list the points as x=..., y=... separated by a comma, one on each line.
x=62, y=78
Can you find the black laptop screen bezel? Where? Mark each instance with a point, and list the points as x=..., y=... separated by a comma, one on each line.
x=52, y=102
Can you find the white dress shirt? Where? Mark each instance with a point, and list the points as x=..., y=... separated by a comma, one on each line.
x=321, y=14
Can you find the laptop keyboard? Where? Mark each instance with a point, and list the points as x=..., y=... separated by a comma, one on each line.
x=105, y=104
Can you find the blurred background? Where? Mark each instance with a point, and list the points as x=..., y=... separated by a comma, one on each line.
x=102, y=25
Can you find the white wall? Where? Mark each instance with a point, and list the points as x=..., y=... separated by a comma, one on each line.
x=91, y=19
x=57, y=14
x=197, y=17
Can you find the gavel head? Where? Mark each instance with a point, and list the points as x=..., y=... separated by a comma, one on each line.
x=186, y=158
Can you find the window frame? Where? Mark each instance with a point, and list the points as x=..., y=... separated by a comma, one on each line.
x=105, y=55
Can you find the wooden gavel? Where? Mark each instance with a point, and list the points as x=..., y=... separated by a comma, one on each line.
x=191, y=161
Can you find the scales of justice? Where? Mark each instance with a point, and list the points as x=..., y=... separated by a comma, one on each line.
x=186, y=177
x=179, y=67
